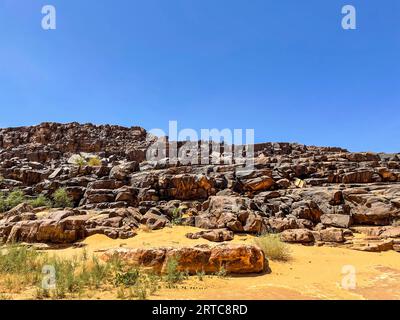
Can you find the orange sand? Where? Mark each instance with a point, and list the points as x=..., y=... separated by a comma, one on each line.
x=313, y=272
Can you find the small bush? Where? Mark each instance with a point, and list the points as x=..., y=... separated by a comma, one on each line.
x=128, y=278
x=3, y=204
x=80, y=161
x=173, y=274
x=99, y=272
x=177, y=216
x=201, y=275
x=62, y=199
x=15, y=198
x=273, y=247
x=140, y=290
x=94, y=162
x=221, y=273
x=21, y=268
x=40, y=201
x=19, y=260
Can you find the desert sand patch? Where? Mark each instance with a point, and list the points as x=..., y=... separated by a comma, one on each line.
x=312, y=273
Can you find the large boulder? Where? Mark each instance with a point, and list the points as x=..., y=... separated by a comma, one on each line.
x=122, y=171
x=297, y=236
x=336, y=220
x=216, y=235
x=235, y=259
x=186, y=186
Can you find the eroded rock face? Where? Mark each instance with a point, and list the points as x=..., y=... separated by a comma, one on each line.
x=235, y=259
x=339, y=189
x=69, y=226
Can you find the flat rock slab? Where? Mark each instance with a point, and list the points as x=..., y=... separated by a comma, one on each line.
x=234, y=259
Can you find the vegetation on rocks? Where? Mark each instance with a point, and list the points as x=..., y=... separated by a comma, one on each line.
x=173, y=275
x=16, y=197
x=62, y=199
x=177, y=216
x=12, y=200
x=80, y=161
x=41, y=201
x=24, y=269
x=94, y=162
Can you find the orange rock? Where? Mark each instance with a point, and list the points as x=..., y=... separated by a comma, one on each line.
x=210, y=259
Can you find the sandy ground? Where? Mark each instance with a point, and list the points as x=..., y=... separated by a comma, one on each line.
x=313, y=272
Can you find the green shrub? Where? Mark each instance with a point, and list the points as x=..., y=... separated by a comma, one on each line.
x=221, y=273
x=15, y=198
x=41, y=201
x=21, y=268
x=80, y=161
x=273, y=247
x=173, y=274
x=94, y=162
x=128, y=278
x=61, y=198
x=99, y=272
x=19, y=260
x=177, y=216
x=3, y=204
x=201, y=275
x=140, y=290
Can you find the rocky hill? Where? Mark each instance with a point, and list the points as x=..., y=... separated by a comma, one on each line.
x=308, y=194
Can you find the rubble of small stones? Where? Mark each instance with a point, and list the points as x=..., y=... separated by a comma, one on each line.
x=344, y=193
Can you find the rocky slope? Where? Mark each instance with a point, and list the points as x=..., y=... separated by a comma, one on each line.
x=343, y=193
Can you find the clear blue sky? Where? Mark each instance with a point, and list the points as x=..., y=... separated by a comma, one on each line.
x=285, y=68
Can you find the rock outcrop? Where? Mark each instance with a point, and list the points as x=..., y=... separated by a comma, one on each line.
x=309, y=194
x=235, y=259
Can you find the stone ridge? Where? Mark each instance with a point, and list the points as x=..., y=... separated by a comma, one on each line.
x=308, y=194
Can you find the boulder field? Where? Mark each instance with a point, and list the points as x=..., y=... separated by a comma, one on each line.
x=309, y=195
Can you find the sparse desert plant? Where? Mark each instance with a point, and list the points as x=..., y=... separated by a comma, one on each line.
x=41, y=293
x=21, y=269
x=99, y=272
x=80, y=161
x=140, y=289
x=200, y=275
x=19, y=260
x=173, y=275
x=153, y=282
x=61, y=198
x=13, y=199
x=116, y=263
x=121, y=293
x=3, y=204
x=177, y=216
x=41, y=201
x=128, y=278
x=221, y=272
x=94, y=162
x=273, y=247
